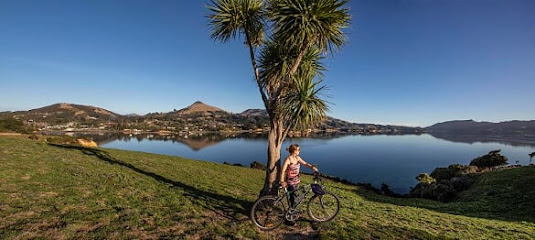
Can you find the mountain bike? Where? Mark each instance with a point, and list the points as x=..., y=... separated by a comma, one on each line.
x=270, y=211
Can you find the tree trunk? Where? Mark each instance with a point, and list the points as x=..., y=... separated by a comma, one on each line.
x=274, y=163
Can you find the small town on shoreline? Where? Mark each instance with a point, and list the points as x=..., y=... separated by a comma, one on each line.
x=197, y=118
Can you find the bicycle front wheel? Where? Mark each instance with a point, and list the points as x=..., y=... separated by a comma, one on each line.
x=268, y=213
x=323, y=208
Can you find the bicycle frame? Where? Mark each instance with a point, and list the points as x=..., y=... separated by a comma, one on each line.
x=301, y=197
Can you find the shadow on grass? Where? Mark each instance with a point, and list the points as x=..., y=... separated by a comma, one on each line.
x=372, y=231
x=296, y=231
x=396, y=232
x=235, y=210
x=488, y=208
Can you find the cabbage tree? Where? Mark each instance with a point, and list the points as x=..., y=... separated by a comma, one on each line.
x=286, y=40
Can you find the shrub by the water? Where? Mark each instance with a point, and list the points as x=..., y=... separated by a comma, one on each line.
x=440, y=174
x=492, y=159
x=462, y=182
x=443, y=184
x=257, y=165
x=64, y=140
x=453, y=170
x=12, y=125
x=424, y=178
x=442, y=191
x=429, y=188
x=459, y=169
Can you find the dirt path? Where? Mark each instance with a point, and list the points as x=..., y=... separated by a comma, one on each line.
x=10, y=134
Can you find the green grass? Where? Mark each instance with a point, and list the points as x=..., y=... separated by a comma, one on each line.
x=58, y=192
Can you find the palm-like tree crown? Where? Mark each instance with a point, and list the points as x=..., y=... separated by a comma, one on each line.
x=301, y=104
x=310, y=22
x=230, y=18
x=304, y=107
x=291, y=59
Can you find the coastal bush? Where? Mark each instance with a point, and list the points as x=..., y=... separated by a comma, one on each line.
x=492, y=159
x=257, y=165
x=462, y=182
x=424, y=178
x=441, y=174
x=443, y=184
x=442, y=191
x=64, y=140
x=12, y=125
x=459, y=169
x=453, y=170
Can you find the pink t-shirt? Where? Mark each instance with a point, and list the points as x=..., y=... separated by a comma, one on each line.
x=292, y=174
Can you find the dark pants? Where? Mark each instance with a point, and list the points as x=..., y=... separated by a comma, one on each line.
x=293, y=193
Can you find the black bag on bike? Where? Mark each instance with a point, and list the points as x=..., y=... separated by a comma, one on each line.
x=317, y=189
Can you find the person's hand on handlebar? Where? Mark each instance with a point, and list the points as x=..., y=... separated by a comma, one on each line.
x=283, y=184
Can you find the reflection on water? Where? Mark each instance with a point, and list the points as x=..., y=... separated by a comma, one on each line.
x=195, y=141
x=513, y=140
x=391, y=159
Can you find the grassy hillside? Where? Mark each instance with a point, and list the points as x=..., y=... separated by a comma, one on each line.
x=58, y=192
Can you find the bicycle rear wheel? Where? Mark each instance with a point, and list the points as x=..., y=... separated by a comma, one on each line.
x=268, y=213
x=323, y=208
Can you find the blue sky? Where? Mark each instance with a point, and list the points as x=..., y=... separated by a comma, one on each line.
x=413, y=62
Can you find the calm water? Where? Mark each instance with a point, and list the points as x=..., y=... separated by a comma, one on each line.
x=394, y=160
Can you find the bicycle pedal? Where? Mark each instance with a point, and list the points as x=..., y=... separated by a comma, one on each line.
x=292, y=215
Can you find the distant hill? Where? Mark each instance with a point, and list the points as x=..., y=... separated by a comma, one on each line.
x=473, y=127
x=331, y=122
x=64, y=111
x=254, y=113
x=198, y=107
x=198, y=116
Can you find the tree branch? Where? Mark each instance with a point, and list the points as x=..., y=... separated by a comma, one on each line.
x=287, y=78
x=256, y=72
x=287, y=130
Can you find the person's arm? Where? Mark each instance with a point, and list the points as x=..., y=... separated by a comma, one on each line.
x=282, y=178
x=308, y=165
